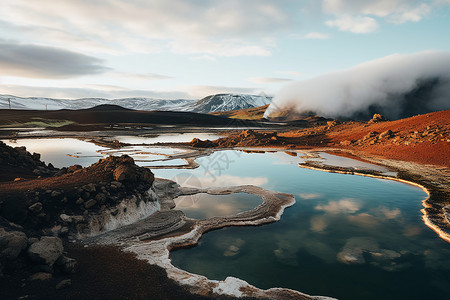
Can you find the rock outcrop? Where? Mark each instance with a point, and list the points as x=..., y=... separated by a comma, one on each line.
x=39, y=216
x=46, y=251
x=18, y=162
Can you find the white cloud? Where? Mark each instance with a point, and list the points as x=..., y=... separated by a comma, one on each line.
x=88, y=91
x=317, y=36
x=145, y=77
x=218, y=180
x=120, y=26
x=264, y=80
x=318, y=223
x=309, y=196
x=200, y=91
x=411, y=15
x=354, y=24
x=347, y=205
x=290, y=73
x=394, y=11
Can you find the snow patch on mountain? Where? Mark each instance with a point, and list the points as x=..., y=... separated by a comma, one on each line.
x=213, y=103
x=227, y=102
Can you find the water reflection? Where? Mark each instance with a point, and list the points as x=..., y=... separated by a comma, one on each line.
x=350, y=237
x=203, y=206
x=61, y=152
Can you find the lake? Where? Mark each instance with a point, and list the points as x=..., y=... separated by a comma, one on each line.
x=347, y=236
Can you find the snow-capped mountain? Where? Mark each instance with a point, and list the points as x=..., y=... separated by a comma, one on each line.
x=213, y=103
x=227, y=102
x=37, y=103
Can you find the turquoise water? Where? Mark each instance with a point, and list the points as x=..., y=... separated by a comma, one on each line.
x=349, y=237
x=204, y=206
x=337, y=220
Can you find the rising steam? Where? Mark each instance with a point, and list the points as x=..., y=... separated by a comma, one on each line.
x=397, y=86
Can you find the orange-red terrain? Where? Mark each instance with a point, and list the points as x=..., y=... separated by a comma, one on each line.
x=423, y=139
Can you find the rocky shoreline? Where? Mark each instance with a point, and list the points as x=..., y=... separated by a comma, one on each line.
x=41, y=212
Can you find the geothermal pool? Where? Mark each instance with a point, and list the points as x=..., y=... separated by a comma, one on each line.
x=204, y=206
x=347, y=236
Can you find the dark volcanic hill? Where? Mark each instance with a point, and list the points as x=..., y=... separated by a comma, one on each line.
x=113, y=114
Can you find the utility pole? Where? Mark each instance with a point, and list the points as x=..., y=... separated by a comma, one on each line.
x=9, y=103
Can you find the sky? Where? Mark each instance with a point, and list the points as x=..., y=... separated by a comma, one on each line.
x=173, y=49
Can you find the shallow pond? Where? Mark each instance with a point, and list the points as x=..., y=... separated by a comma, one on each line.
x=204, y=206
x=167, y=138
x=64, y=152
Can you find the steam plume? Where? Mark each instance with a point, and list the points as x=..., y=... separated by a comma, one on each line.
x=397, y=86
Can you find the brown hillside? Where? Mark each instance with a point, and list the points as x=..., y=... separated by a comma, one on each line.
x=254, y=113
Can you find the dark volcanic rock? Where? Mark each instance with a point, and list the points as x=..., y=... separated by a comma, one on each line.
x=124, y=173
x=12, y=243
x=377, y=118
x=19, y=163
x=46, y=251
x=66, y=264
x=198, y=143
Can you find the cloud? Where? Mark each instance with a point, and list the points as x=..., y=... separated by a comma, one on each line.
x=218, y=180
x=357, y=16
x=148, y=76
x=226, y=48
x=88, y=91
x=153, y=26
x=364, y=220
x=318, y=223
x=354, y=24
x=346, y=206
x=290, y=73
x=411, y=15
x=200, y=91
x=264, y=80
x=397, y=86
x=309, y=196
x=38, y=61
x=317, y=36
x=387, y=213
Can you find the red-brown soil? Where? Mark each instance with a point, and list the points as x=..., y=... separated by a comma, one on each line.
x=423, y=139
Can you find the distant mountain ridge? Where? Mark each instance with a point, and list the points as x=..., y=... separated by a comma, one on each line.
x=213, y=103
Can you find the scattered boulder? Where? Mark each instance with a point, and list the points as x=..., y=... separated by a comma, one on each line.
x=387, y=134
x=88, y=204
x=74, y=168
x=198, y=143
x=64, y=284
x=12, y=243
x=36, y=207
x=377, y=118
x=55, y=194
x=90, y=187
x=124, y=173
x=66, y=264
x=46, y=251
x=41, y=276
